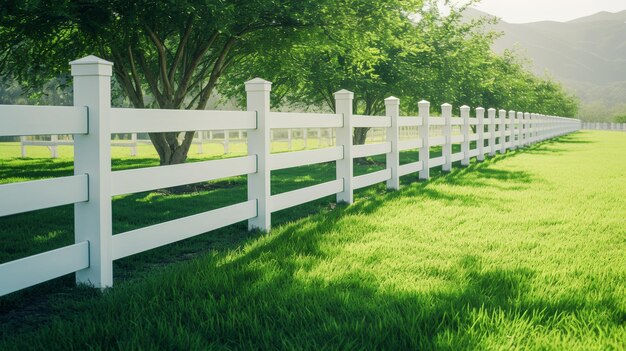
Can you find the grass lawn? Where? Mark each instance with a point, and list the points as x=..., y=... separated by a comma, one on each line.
x=525, y=250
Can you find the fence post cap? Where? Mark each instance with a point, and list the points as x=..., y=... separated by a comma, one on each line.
x=480, y=108
x=446, y=105
x=344, y=94
x=392, y=99
x=512, y=111
x=91, y=66
x=258, y=84
x=423, y=103
x=465, y=107
x=492, y=110
x=503, y=111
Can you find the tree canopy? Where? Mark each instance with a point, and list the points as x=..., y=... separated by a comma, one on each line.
x=175, y=54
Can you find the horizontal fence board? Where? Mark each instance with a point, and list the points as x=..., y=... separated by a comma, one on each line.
x=473, y=137
x=370, y=149
x=473, y=153
x=437, y=161
x=47, y=142
x=144, y=179
x=457, y=138
x=371, y=178
x=144, y=239
x=28, y=271
x=359, y=121
x=297, y=197
x=305, y=157
x=473, y=121
x=437, y=141
x=410, y=144
x=131, y=120
x=457, y=156
x=409, y=121
x=436, y=121
x=305, y=120
x=45, y=193
x=410, y=168
x=456, y=121
x=20, y=120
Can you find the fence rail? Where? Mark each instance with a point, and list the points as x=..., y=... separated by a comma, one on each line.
x=92, y=121
x=604, y=126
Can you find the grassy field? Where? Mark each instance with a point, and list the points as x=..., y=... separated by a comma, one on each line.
x=525, y=250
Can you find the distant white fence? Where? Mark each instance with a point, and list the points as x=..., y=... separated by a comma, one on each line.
x=604, y=126
x=224, y=138
x=92, y=121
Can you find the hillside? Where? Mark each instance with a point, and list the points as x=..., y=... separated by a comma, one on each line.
x=588, y=55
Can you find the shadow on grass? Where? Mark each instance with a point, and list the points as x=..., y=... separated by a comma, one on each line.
x=356, y=296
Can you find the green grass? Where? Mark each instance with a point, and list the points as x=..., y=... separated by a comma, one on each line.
x=525, y=250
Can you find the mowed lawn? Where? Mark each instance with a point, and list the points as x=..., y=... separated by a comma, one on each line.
x=525, y=250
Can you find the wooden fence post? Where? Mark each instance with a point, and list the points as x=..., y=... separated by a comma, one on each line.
x=345, y=167
x=491, y=113
x=518, y=130
x=511, y=130
x=465, y=146
x=258, y=99
x=392, y=110
x=526, y=128
x=446, y=113
x=480, y=128
x=502, y=115
x=424, y=152
x=92, y=156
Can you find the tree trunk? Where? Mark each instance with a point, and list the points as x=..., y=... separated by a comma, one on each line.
x=359, y=136
x=170, y=151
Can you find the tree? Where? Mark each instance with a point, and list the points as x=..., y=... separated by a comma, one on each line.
x=165, y=53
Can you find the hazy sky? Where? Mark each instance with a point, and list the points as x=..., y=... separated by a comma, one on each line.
x=523, y=11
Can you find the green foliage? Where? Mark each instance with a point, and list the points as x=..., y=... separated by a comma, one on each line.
x=504, y=254
x=620, y=119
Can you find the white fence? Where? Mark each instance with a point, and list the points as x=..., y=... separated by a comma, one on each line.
x=224, y=138
x=90, y=189
x=604, y=126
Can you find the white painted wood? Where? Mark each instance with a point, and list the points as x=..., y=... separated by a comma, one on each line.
x=345, y=168
x=410, y=168
x=370, y=149
x=300, y=196
x=465, y=131
x=456, y=121
x=306, y=157
x=147, y=238
x=457, y=157
x=491, y=114
x=511, y=131
x=518, y=131
x=360, y=121
x=305, y=120
x=28, y=271
x=446, y=113
x=20, y=120
x=480, y=115
x=502, y=131
x=145, y=179
x=473, y=153
x=456, y=139
x=437, y=141
x=437, y=121
x=133, y=120
x=92, y=156
x=259, y=144
x=474, y=137
x=437, y=161
x=40, y=194
x=424, y=131
x=410, y=144
x=365, y=180
x=409, y=121
x=392, y=109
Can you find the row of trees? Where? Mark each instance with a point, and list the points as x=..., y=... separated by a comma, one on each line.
x=176, y=54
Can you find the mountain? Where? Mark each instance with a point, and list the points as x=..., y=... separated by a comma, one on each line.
x=587, y=55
